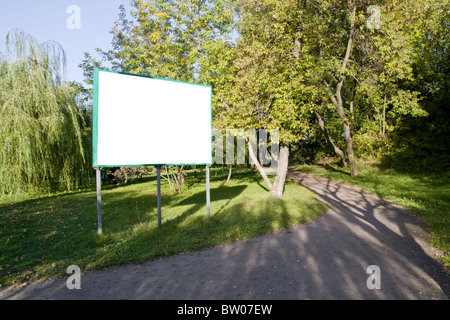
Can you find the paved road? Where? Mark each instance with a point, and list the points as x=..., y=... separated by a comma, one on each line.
x=324, y=259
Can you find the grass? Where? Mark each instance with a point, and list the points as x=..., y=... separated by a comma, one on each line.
x=426, y=194
x=40, y=238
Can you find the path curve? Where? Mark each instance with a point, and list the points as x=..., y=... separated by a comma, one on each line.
x=326, y=258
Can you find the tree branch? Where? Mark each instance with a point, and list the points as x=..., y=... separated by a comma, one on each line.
x=350, y=42
x=330, y=94
x=346, y=58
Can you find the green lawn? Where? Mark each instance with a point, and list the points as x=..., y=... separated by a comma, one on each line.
x=40, y=238
x=426, y=194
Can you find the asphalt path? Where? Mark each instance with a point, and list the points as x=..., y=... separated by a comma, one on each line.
x=364, y=247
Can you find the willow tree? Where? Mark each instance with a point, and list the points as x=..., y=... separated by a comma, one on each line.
x=42, y=132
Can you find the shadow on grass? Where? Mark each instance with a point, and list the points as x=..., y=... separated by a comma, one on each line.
x=198, y=200
x=227, y=224
x=326, y=259
x=42, y=237
x=46, y=233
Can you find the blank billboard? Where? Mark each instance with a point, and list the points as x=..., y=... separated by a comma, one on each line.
x=150, y=121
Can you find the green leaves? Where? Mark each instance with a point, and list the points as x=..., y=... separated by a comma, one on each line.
x=169, y=39
x=41, y=127
x=267, y=60
x=260, y=82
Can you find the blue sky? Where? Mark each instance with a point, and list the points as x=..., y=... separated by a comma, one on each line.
x=47, y=20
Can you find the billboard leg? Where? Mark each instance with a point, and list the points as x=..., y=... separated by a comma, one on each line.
x=208, y=205
x=158, y=177
x=99, y=200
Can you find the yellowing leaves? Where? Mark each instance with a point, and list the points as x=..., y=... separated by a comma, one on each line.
x=155, y=36
x=162, y=15
x=144, y=4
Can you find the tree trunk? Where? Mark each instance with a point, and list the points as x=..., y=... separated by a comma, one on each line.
x=195, y=173
x=380, y=120
x=283, y=163
x=384, y=117
x=336, y=99
x=336, y=148
x=277, y=188
x=258, y=166
x=351, y=110
x=350, y=153
x=229, y=174
x=180, y=176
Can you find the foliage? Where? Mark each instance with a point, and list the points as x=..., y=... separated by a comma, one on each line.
x=168, y=39
x=300, y=63
x=42, y=130
x=259, y=91
x=312, y=69
x=424, y=141
x=388, y=85
x=292, y=64
x=124, y=175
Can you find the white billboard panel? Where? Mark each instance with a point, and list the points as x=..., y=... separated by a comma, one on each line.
x=149, y=121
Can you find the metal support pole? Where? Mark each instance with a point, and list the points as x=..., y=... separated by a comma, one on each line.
x=158, y=177
x=99, y=200
x=208, y=205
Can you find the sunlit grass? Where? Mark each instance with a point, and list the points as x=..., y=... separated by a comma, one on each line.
x=40, y=238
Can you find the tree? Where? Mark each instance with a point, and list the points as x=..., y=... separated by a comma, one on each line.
x=42, y=132
x=358, y=72
x=169, y=38
x=423, y=141
x=261, y=89
x=297, y=59
x=172, y=39
x=384, y=94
